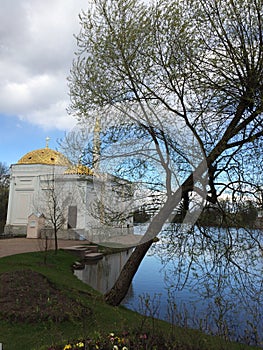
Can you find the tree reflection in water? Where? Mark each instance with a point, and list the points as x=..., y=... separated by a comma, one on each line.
x=209, y=280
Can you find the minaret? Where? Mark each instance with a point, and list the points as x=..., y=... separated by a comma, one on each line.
x=96, y=144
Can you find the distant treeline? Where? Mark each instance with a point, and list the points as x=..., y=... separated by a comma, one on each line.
x=223, y=214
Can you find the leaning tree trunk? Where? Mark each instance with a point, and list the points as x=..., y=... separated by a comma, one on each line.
x=115, y=296
x=120, y=289
x=117, y=293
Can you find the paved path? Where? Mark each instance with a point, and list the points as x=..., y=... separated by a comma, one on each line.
x=11, y=246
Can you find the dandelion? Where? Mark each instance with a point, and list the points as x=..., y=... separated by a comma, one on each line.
x=80, y=344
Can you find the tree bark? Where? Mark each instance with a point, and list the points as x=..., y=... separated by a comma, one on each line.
x=115, y=296
x=56, y=240
x=117, y=293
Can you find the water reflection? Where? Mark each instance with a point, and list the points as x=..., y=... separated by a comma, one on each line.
x=226, y=314
x=102, y=274
x=215, y=297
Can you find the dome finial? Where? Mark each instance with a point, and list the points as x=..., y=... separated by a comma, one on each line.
x=47, y=140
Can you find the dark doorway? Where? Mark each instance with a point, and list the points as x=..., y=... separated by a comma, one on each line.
x=72, y=216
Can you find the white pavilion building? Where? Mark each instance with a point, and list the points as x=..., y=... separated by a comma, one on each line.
x=44, y=181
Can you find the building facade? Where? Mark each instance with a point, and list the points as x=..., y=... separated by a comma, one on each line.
x=44, y=184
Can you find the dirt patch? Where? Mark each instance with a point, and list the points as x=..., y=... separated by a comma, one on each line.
x=28, y=296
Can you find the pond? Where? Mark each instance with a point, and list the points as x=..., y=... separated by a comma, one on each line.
x=102, y=274
x=212, y=301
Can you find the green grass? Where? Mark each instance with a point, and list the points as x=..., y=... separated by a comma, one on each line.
x=105, y=319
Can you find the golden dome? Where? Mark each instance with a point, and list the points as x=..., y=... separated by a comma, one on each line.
x=44, y=156
x=79, y=170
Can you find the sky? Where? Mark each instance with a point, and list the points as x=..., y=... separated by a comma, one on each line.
x=37, y=47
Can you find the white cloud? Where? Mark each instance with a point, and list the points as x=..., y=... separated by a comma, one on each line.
x=36, y=50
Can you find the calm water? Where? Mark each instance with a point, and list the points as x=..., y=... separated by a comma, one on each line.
x=222, y=314
x=217, y=303
x=103, y=274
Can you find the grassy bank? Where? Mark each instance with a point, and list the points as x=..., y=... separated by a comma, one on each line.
x=45, y=304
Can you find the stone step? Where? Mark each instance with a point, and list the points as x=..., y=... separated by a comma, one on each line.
x=81, y=251
x=78, y=265
x=92, y=248
x=93, y=256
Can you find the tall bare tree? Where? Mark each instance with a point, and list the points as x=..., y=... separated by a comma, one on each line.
x=53, y=204
x=195, y=66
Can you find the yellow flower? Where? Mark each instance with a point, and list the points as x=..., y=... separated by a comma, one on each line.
x=66, y=347
x=80, y=345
